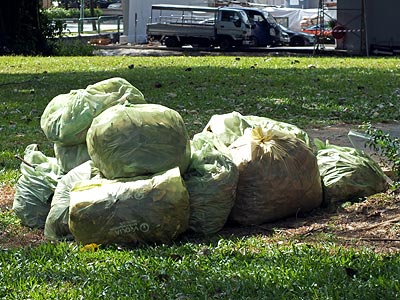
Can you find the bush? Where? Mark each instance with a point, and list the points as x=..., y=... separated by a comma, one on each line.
x=389, y=147
x=62, y=13
x=51, y=28
x=71, y=47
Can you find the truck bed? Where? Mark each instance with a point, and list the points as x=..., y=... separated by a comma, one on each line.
x=181, y=29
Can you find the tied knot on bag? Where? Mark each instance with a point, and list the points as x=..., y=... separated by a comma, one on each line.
x=272, y=142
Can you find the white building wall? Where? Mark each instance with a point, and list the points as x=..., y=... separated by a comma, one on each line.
x=271, y=2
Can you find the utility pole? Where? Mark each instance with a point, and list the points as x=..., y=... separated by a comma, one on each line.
x=81, y=16
x=320, y=36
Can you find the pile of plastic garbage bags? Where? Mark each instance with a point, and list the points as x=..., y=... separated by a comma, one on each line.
x=126, y=171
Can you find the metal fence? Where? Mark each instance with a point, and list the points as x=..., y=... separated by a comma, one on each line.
x=92, y=25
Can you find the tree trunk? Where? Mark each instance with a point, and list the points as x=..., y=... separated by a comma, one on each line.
x=20, y=31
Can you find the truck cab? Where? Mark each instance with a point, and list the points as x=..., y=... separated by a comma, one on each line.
x=233, y=28
x=266, y=31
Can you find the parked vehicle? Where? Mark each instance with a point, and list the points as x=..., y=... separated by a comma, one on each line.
x=298, y=38
x=105, y=3
x=178, y=25
x=224, y=27
x=266, y=30
x=322, y=33
x=116, y=5
x=318, y=30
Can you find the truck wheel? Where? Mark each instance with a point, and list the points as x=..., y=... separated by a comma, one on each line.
x=171, y=42
x=225, y=44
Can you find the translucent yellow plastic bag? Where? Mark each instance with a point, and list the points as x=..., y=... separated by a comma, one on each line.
x=56, y=226
x=211, y=181
x=69, y=157
x=35, y=187
x=151, y=209
x=278, y=177
x=348, y=174
x=133, y=140
x=67, y=117
x=229, y=127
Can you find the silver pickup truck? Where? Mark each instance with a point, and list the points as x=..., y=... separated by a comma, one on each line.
x=179, y=25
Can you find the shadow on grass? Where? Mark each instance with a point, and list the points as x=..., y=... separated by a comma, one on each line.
x=299, y=94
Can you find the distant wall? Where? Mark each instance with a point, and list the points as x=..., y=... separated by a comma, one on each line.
x=382, y=22
x=271, y=2
x=374, y=26
x=302, y=3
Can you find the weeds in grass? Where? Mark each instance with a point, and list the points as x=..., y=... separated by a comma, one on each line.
x=387, y=146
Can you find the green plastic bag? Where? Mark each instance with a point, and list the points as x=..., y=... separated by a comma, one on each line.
x=229, y=127
x=278, y=177
x=67, y=117
x=56, y=226
x=211, y=181
x=69, y=157
x=347, y=173
x=133, y=140
x=35, y=188
x=152, y=209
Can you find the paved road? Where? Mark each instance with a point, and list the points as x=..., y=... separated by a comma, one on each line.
x=88, y=27
x=157, y=50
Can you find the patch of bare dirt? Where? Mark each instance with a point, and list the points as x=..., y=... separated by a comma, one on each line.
x=13, y=235
x=373, y=223
x=338, y=134
x=6, y=197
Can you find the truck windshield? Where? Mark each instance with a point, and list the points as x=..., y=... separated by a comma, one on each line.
x=269, y=17
x=244, y=17
x=259, y=16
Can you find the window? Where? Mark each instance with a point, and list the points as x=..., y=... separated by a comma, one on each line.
x=228, y=16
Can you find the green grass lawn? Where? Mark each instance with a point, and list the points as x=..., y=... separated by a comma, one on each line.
x=247, y=268
x=305, y=91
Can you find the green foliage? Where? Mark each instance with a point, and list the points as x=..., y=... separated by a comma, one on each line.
x=8, y=220
x=71, y=47
x=53, y=24
x=62, y=13
x=51, y=28
x=382, y=142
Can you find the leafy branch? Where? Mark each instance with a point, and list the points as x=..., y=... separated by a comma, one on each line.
x=388, y=146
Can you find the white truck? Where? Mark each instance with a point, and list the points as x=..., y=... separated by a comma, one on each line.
x=224, y=27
